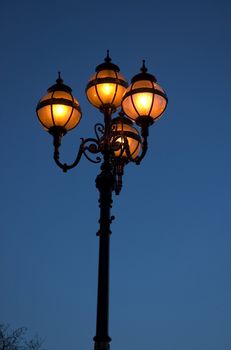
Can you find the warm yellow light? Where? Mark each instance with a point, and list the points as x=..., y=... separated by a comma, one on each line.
x=58, y=110
x=106, y=92
x=125, y=135
x=107, y=89
x=146, y=104
x=61, y=113
x=119, y=141
x=143, y=102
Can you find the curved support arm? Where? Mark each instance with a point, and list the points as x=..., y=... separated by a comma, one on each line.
x=65, y=166
x=144, y=134
x=93, y=147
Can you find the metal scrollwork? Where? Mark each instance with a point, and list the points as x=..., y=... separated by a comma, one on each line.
x=120, y=143
x=127, y=150
x=90, y=145
x=99, y=131
x=117, y=145
x=93, y=148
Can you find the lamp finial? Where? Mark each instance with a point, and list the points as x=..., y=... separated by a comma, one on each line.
x=59, y=80
x=143, y=68
x=107, y=58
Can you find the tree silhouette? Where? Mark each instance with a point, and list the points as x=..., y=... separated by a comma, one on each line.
x=15, y=339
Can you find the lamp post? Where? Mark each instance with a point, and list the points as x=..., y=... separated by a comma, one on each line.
x=116, y=140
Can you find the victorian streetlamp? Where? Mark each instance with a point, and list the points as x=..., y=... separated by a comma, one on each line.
x=117, y=141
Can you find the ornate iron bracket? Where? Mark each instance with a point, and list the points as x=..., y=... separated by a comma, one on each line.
x=87, y=146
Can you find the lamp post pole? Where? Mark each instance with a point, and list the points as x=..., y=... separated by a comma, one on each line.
x=117, y=142
x=105, y=185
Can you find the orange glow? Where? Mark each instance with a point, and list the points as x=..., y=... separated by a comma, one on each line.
x=107, y=89
x=106, y=92
x=59, y=111
x=59, y=114
x=101, y=93
x=143, y=102
x=134, y=145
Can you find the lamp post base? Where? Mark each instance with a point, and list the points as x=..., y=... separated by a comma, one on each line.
x=102, y=345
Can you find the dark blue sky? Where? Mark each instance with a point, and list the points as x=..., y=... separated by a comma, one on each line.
x=170, y=251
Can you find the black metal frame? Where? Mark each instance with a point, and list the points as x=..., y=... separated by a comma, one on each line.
x=104, y=146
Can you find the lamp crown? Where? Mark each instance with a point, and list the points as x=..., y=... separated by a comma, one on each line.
x=144, y=75
x=122, y=118
x=107, y=64
x=59, y=86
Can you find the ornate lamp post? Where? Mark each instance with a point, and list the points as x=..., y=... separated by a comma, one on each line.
x=117, y=141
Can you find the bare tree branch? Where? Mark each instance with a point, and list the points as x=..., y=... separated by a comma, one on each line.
x=15, y=339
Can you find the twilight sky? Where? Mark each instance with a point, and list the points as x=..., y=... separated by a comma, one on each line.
x=170, y=247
